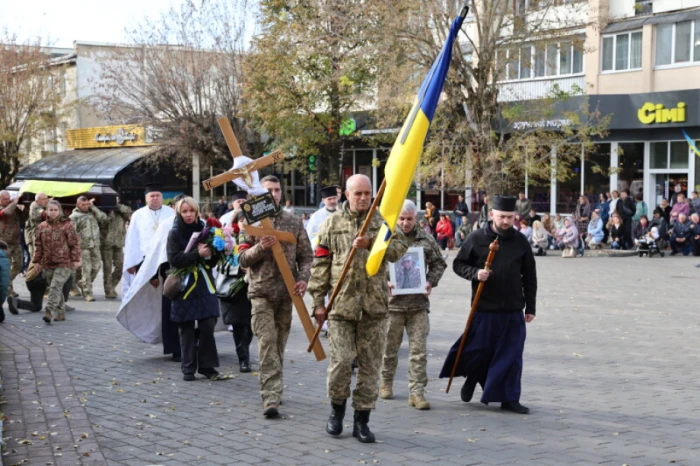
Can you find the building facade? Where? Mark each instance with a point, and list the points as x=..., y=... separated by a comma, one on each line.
x=642, y=69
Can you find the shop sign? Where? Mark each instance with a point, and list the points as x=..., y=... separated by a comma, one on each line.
x=119, y=137
x=657, y=113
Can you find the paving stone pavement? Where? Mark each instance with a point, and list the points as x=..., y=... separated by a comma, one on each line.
x=610, y=376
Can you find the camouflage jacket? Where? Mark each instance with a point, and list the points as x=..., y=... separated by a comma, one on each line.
x=36, y=214
x=56, y=244
x=113, y=228
x=358, y=293
x=87, y=226
x=265, y=279
x=434, y=268
x=9, y=224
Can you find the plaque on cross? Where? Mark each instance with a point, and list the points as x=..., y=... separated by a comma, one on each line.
x=248, y=174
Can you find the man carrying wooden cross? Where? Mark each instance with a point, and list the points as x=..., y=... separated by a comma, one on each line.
x=358, y=318
x=272, y=305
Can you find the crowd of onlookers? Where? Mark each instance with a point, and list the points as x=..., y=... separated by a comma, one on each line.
x=617, y=221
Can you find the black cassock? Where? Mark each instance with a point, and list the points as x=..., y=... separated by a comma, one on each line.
x=170, y=332
x=492, y=355
x=493, y=352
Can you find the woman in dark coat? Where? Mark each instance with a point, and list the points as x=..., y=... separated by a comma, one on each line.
x=198, y=351
x=236, y=312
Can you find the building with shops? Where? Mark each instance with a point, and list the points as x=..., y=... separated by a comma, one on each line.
x=642, y=69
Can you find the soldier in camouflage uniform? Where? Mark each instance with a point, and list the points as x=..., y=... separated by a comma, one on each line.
x=112, y=234
x=357, y=321
x=85, y=219
x=57, y=253
x=411, y=312
x=9, y=233
x=36, y=216
x=272, y=305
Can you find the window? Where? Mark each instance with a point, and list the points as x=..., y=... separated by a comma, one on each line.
x=622, y=52
x=678, y=43
x=557, y=59
x=666, y=155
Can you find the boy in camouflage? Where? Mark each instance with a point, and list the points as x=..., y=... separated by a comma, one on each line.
x=357, y=321
x=411, y=312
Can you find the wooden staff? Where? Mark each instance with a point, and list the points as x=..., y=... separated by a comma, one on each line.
x=493, y=247
x=348, y=261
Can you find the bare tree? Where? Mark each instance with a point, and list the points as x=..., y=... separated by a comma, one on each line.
x=483, y=126
x=178, y=74
x=30, y=99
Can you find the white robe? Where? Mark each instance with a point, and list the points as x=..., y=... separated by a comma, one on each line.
x=139, y=236
x=314, y=225
x=142, y=305
x=227, y=218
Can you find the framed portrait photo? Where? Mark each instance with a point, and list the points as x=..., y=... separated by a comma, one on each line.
x=408, y=274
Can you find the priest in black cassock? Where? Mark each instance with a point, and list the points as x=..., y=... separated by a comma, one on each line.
x=493, y=353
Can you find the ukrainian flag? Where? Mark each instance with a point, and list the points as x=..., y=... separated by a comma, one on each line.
x=403, y=159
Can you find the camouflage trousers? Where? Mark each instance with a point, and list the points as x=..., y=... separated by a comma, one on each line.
x=91, y=261
x=112, y=263
x=417, y=325
x=14, y=253
x=56, y=278
x=271, y=321
x=362, y=340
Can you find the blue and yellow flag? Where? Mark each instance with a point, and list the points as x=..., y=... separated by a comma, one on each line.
x=403, y=159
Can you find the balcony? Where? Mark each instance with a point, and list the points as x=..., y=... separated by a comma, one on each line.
x=538, y=88
x=643, y=7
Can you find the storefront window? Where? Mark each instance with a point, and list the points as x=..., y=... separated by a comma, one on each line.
x=679, y=154
x=659, y=155
x=630, y=163
x=569, y=190
x=596, y=176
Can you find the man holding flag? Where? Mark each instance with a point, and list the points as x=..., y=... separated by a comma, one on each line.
x=357, y=321
x=353, y=323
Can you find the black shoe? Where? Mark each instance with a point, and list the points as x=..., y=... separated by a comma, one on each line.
x=12, y=305
x=360, y=429
x=271, y=409
x=2, y=315
x=467, y=391
x=245, y=366
x=188, y=377
x=209, y=373
x=334, y=426
x=514, y=407
x=673, y=253
x=177, y=358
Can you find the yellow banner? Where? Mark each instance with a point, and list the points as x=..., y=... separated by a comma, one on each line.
x=55, y=188
x=107, y=136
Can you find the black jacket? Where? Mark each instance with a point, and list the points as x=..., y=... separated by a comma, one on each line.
x=626, y=208
x=512, y=284
x=461, y=206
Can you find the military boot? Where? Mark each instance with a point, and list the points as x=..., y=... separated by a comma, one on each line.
x=88, y=296
x=360, y=428
x=418, y=401
x=110, y=294
x=47, y=316
x=75, y=291
x=386, y=390
x=60, y=317
x=334, y=426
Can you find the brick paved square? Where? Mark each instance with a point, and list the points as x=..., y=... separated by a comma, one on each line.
x=609, y=375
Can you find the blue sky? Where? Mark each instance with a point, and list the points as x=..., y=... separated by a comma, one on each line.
x=62, y=22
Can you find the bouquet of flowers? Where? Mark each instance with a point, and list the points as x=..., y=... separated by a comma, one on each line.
x=223, y=248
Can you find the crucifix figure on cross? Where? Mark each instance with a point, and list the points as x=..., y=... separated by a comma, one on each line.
x=244, y=174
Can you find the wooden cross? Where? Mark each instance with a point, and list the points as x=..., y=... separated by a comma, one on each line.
x=266, y=228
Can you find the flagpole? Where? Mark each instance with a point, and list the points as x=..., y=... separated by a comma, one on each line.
x=348, y=260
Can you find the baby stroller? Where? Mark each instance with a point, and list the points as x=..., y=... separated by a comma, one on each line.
x=648, y=247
